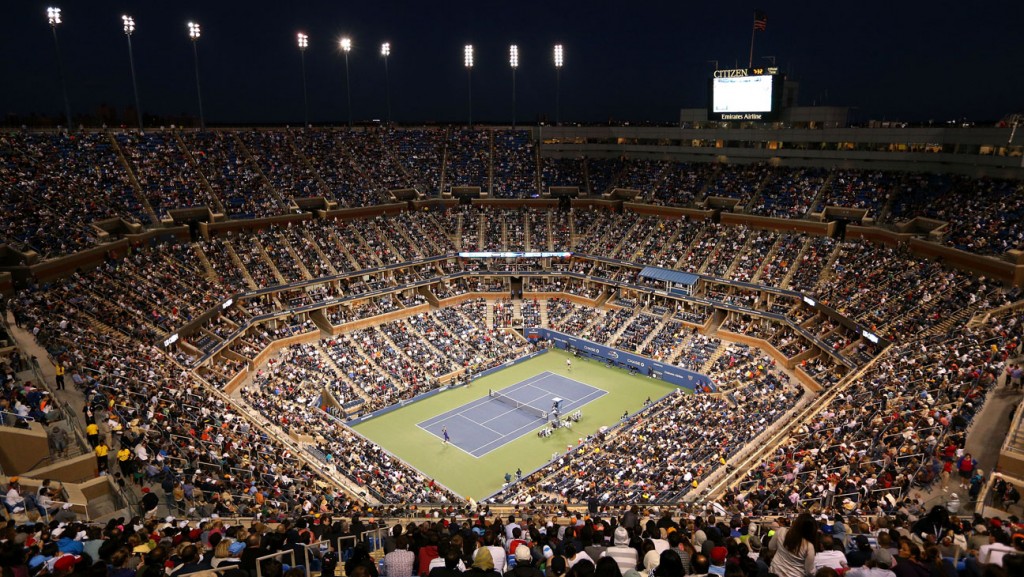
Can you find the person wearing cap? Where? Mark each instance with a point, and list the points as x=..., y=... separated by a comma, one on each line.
x=624, y=555
x=524, y=564
x=222, y=553
x=13, y=501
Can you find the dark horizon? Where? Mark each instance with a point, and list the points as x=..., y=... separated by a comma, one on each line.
x=638, y=63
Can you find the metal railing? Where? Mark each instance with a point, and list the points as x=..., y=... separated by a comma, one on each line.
x=278, y=556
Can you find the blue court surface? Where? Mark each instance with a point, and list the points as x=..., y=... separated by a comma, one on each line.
x=486, y=424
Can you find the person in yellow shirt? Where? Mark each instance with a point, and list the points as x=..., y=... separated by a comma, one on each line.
x=92, y=431
x=58, y=370
x=124, y=462
x=101, y=451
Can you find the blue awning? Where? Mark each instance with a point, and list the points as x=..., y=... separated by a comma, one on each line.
x=673, y=276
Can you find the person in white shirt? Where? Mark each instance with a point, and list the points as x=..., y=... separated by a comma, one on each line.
x=870, y=569
x=573, y=557
x=497, y=551
x=828, y=556
x=14, y=502
x=624, y=555
x=509, y=527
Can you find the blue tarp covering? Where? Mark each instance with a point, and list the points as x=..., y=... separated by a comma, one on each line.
x=673, y=276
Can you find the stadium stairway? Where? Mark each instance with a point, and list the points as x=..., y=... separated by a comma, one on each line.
x=253, y=164
x=822, y=191
x=796, y=264
x=312, y=244
x=262, y=254
x=826, y=269
x=133, y=179
x=770, y=257
x=655, y=331
x=229, y=246
x=697, y=238
x=205, y=262
x=295, y=256
x=194, y=168
x=340, y=245
x=751, y=201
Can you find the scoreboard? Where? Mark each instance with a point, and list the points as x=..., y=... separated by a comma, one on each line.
x=745, y=94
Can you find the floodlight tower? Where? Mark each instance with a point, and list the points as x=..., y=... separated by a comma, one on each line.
x=129, y=29
x=385, y=52
x=53, y=17
x=467, y=58
x=303, y=44
x=346, y=47
x=193, y=34
x=559, y=60
x=513, y=61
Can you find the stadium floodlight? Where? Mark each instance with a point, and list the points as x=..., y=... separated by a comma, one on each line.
x=385, y=52
x=193, y=34
x=129, y=28
x=559, y=61
x=303, y=44
x=53, y=18
x=467, y=59
x=346, y=47
x=513, y=61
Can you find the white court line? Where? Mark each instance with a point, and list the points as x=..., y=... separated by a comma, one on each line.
x=449, y=443
x=467, y=407
x=503, y=436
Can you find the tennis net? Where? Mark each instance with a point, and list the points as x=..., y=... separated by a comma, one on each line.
x=517, y=404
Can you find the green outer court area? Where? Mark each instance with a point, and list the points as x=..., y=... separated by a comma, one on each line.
x=469, y=476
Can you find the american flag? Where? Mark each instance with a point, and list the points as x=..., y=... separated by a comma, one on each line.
x=760, y=20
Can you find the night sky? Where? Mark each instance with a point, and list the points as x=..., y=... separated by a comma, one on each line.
x=624, y=60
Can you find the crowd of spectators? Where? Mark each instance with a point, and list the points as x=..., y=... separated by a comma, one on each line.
x=59, y=184
x=167, y=178
x=789, y=192
x=895, y=432
x=515, y=165
x=664, y=455
x=62, y=183
x=236, y=181
x=153, y=290
x=468, y=158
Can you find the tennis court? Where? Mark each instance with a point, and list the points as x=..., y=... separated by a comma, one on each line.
x=488, y=423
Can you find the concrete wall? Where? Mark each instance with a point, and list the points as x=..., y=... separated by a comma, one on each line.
x=22, y=449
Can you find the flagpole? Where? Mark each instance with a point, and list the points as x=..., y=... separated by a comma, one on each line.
x=753, y=31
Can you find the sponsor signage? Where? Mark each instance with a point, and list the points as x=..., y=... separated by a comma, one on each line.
x=670, y=373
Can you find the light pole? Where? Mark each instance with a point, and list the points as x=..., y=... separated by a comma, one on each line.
x=559, y=60
x=346, y=47
x=513, y=60
x=303, y=44
x=193, y=34
x=129, y=29
x=53, y=17
x=467, y=58
x=385, y=51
